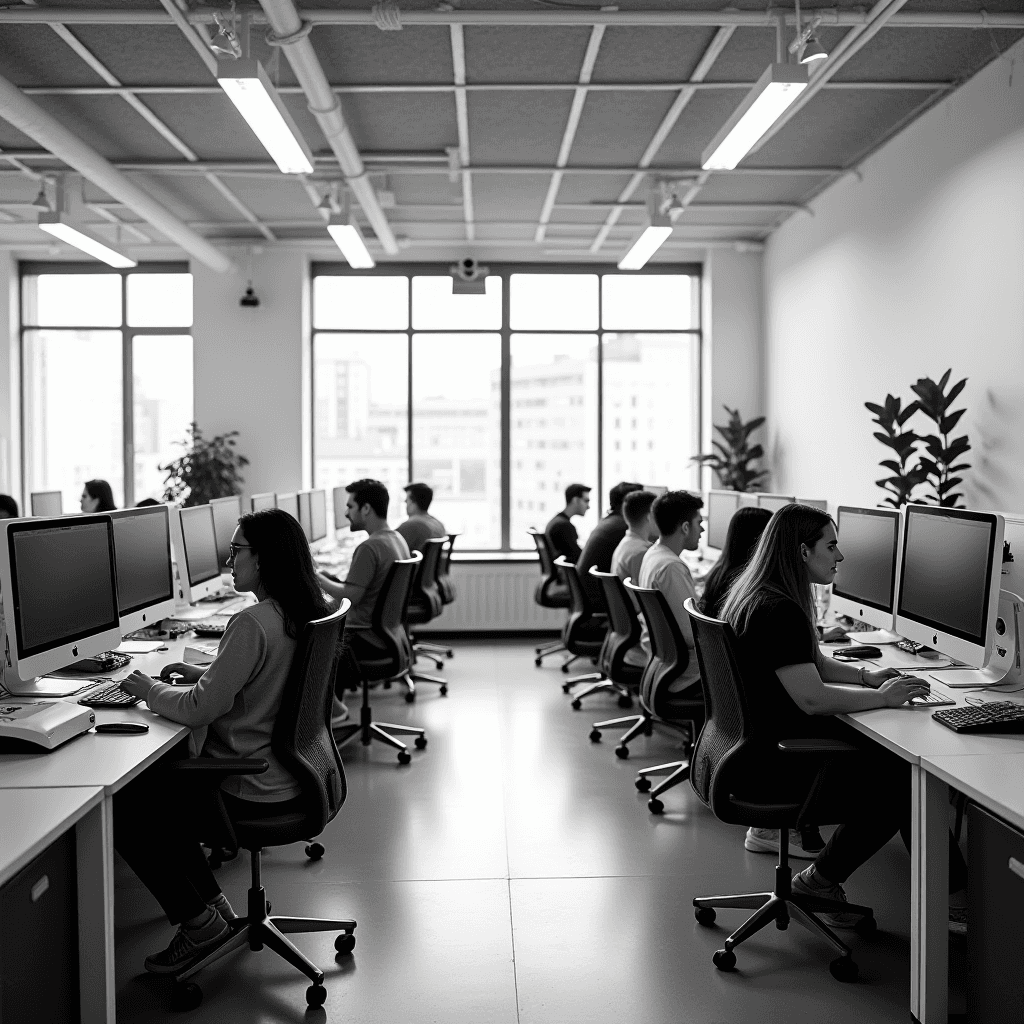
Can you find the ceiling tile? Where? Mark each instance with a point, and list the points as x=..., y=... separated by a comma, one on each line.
x=520, y=128
x=508, y=196
x=650, y=54
x=616, y=127
x=508, y=54
x=365, y=54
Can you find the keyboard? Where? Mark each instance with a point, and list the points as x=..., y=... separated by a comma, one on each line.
x=910, y=646
x=997, y=716
x=209, y=628
x=111, y=696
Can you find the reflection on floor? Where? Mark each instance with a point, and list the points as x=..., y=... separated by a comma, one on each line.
x=513, y=873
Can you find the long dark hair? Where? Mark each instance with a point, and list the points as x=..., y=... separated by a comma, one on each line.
x=286, y=566
x=745, y=529
x=775, y=569
x=100, y=490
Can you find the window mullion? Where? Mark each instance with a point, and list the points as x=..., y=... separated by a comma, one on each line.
x=506, y=414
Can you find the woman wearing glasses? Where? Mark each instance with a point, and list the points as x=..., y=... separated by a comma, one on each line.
x=231, y=706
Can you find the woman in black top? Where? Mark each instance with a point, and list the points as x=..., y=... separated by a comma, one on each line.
x=795, y=691
x=745, y=529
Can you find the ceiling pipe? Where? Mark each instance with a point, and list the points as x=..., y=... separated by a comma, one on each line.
x=30, y=119
x=292, y=35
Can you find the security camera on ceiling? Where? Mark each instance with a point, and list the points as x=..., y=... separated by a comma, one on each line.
x=469, y=277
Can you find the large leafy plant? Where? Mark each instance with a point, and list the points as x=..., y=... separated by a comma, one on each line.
x=734, y=454
x=892, y=417
x=208, y=468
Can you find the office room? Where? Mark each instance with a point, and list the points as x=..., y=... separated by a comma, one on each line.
x=478, y=480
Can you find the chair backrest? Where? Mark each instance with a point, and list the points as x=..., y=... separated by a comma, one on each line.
x=388, y=617
x=425, y=587
x=445, y=583
x=547, y=562
x=302, y=738
x=727, y=727
x=625, y=623
x=669, y=654
x=581, y=603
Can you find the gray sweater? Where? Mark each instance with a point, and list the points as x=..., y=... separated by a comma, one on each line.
x=233, y=707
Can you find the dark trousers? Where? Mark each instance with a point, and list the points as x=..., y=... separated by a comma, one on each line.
x=159, y=819
x=355, y=647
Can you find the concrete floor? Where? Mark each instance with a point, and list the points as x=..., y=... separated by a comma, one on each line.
x=512, y=873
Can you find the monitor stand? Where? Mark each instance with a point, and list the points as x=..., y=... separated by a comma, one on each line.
x=1004, y=664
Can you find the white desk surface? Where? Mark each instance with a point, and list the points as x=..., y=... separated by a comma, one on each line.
x=33, y=818
x=996, y=781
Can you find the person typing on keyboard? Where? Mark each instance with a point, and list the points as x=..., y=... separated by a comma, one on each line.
x=231, y=706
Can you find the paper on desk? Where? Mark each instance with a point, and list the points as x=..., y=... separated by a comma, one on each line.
x=46, y=686
x=875, y=636
x=139, y=646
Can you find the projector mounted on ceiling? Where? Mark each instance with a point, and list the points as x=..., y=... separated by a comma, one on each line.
x=469, y=277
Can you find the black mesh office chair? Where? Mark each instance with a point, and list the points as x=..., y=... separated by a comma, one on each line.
x=446, y=589
x=725, y=743
x=302, y=741
x=551, y=592
x=394, y=663
x=585, y=629
x=424, y=604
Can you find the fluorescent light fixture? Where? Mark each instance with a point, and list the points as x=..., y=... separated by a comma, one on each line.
x=649, y=242
x=249, y=88
x=774, y=93
x=56, y=224
x=349, y=240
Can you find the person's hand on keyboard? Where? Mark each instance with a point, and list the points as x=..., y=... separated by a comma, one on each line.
x=138, y=684
x=189, y=674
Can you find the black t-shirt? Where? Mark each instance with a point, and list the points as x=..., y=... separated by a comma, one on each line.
x=562, y=537
x=598, y=550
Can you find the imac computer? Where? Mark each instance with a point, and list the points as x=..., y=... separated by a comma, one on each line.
x=748, y=499
x=195, y=546
x=318, y=517
x=226, y=513
x=865, y=583
x=46, y=503
x=773, y=502
x=340, y=496
x=819, y=503
x=656, y=489
x=948, y=593
x=59, y=585
x=262, y=501
x=306, y=513
x=290, y=503
x=719, y=509
x=145, y=575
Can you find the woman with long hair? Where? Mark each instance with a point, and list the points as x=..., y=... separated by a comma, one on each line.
x=231, y=706
x=97, y=497
x=794, y=691
x=745, y=529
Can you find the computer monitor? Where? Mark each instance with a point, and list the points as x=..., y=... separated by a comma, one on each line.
x=46, y=503
x=340, y=497
x=658, y=489
x=195, y=547
x=262, y=501
x=290, y=503
x=865, y=583
x=59, y=581
x=145, y=575
x=306, y=513
x=226, y=513
x=719, y=509
x=949, y=580
x=318, y=520
x=773, y=502
x=748, y=499
x=819, y=503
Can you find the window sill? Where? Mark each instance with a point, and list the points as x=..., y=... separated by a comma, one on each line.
x=490, y=557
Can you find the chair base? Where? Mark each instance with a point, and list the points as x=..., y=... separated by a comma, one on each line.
x=422, y=646
x=421, y=677
x=555, y=647
x=677, y=771
x=596, y=682
x=634, y=724
x=368, y=730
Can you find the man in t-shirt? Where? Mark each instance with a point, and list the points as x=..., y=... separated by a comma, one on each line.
x=677, y=516
x=561, y=534
x=420, y=526
x=629, y=555
x=602, y=542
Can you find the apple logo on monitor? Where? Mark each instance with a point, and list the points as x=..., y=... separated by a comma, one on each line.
x=74, y=651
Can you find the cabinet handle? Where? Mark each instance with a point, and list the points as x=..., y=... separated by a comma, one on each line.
x=1016, y=867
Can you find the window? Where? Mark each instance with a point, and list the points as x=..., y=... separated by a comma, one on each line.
x=110, y=351
x=501, y=399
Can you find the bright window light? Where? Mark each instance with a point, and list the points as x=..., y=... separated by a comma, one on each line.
x=350, y=241
x=774, y=93
x=249, y=88
x=56, y=224
x=645, y=246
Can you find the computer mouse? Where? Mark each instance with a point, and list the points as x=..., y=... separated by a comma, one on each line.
x=123, y=727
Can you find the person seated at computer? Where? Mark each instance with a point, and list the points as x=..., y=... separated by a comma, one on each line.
x=231, y=706
x=603, y=541
x=97, y=497
x=793, y=691
x=8, y=507
x=677, y=517
x=420, y=526
x=146, y=503
x=745, y=529
x=561, y=534
x=640, y=534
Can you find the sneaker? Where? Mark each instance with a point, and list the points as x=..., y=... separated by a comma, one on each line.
x=223, y=907
x=766, y=840
x=339, y=714
x=189, y=943
x=807, y=884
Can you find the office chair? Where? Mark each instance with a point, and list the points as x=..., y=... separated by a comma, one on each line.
x=551, y=592
x=616, y=676
x=724, y=743
x=585, y=629
x=446, y=588
x=425, y=604
x=302, y=741
x=394, y=662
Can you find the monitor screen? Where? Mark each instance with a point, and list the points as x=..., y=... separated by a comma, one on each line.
x=868, y=540
x=657, y=489
x=52, y=605
x=945, y=580
x=340, y=504
x=290, y=503
x=200, y=542
x=773, y=502
x=226, y=513
x=720, y=508
x=262, y=501
x=318, y=504
x=306, y=514
x=142, y=544
x=46, y=503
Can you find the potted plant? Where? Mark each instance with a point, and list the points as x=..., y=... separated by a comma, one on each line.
x=734, y=454
x=208, y=468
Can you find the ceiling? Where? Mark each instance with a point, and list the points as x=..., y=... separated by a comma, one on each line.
x=521, y=163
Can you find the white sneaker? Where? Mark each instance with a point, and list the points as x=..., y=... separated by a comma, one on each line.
x=766, y=840
x=806, y=883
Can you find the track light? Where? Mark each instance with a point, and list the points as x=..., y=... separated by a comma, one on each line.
x=813, y=50
x=40, y=201
x=652, y=239
x=349, y=240
x=57, y=224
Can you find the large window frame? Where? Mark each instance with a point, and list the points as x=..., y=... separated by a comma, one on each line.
x=505, y=272
x=31, y=268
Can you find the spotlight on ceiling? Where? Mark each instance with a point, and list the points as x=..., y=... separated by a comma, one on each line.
x=41, y=202
x=813, y=50
x=58, y=225
x=250, y=299
x=469, y=277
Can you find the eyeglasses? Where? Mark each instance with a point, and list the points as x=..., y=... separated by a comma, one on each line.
x=233, y=548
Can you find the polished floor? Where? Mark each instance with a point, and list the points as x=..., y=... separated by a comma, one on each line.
x=512, y=873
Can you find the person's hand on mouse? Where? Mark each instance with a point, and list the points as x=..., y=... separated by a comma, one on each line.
x=832, y=634
x=189, y=674
x=898, y=689
x=138, y=684
x=876, y=677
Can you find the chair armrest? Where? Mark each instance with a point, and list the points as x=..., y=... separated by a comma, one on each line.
x=816, y=746
x=222, y=765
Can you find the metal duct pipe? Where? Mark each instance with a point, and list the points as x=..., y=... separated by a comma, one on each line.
x=287, y=26
x=33, y=121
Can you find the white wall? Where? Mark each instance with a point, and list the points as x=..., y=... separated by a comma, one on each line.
x=916, y=268
x=10, y=391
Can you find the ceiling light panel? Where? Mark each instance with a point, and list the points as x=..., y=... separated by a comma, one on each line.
x=349, y=240
x=57, y=224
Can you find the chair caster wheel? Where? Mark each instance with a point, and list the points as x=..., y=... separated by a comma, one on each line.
x=315, y=851
x=625, y=702
x=421, y=742
x=345, y=943
x=643, y=784
x=444, y=691
x=655, y=806
x=866, y=927
x=185, y=996
x=577, y=704
x=622, y=752
x=705, y=916
x=404, y=757
x=410, y=697
x=724, y=960
x=536, y=662
x=595, y=735
x=566, y=687
x=844, y=969
x=449, y=653
x=316, y=995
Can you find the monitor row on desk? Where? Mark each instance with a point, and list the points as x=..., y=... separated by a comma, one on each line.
x=720, y=506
